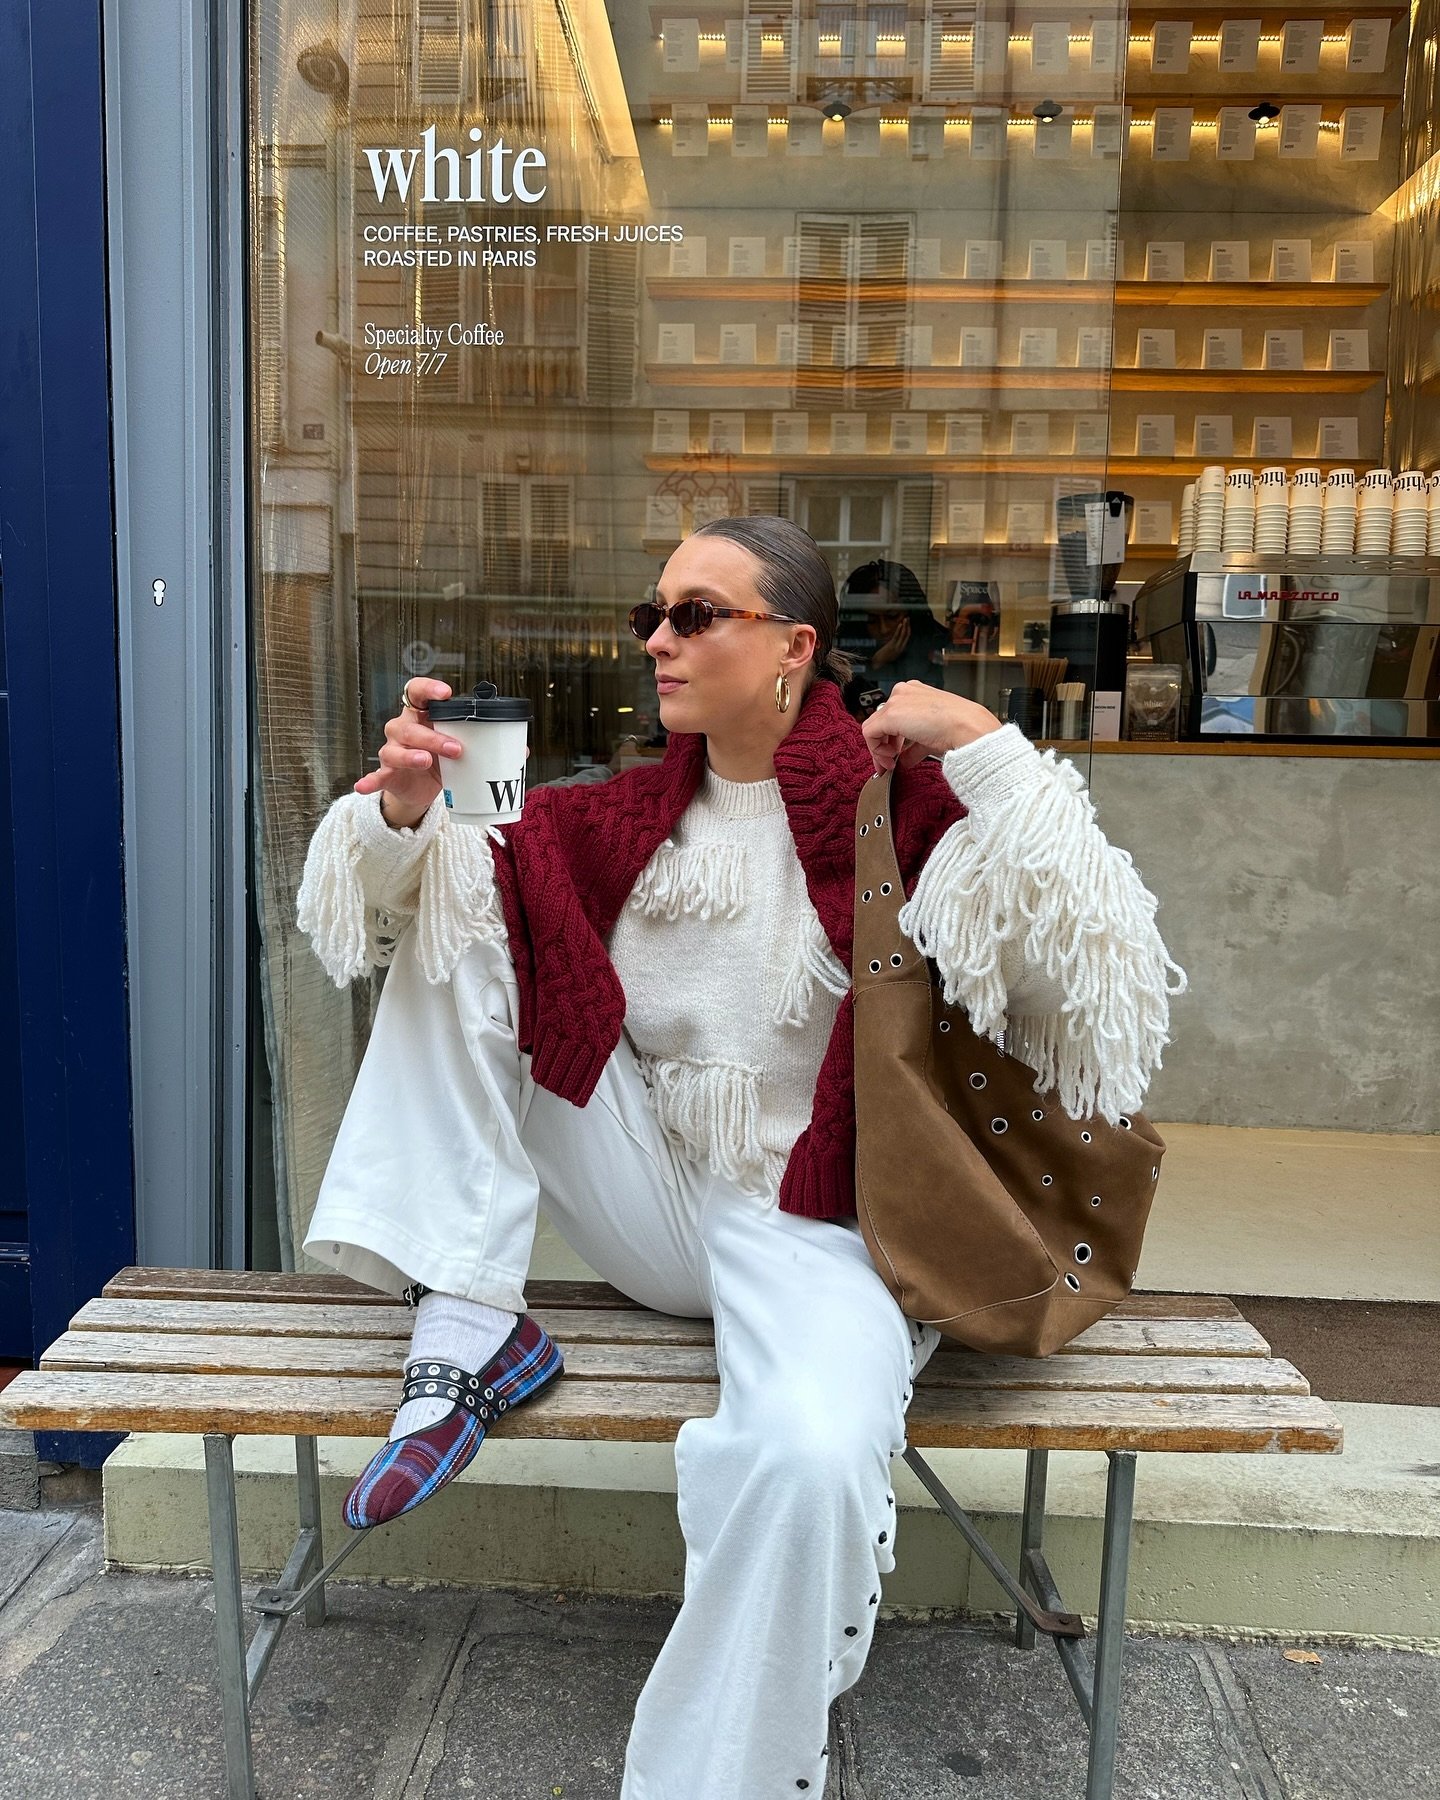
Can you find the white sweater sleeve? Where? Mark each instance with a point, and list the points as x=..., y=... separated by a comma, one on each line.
x=1043, y=930
x=364, y=882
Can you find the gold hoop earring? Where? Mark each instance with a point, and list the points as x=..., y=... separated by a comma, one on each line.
x=782, y=692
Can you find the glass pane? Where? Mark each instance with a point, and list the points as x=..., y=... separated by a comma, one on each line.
x=537, y=291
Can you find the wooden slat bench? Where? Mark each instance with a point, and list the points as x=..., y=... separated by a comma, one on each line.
x=229, y=1354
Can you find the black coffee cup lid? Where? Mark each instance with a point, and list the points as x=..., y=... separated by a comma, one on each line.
x=484, y=701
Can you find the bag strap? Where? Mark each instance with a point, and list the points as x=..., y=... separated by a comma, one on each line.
x=882, y=952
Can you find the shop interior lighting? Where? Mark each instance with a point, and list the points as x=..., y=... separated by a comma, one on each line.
x=835, y=108
x=1266, y=113
x=1048, y=111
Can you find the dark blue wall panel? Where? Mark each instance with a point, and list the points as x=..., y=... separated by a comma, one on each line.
x=56, y=541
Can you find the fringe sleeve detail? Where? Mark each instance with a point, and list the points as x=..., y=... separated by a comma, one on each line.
x=364, y=882
x=459, y=903
x=706, y=879
x=1029, y=875
x=813, y=964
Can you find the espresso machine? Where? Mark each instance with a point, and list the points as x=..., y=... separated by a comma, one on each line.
x=1299, y=647
x=1090, y=628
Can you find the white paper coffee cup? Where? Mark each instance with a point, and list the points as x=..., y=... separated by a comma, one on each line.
x=485, y=784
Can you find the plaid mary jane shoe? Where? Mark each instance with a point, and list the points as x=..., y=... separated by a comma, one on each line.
x=410, y=1469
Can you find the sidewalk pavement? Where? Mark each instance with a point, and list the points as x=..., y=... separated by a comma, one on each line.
x=108, y=1688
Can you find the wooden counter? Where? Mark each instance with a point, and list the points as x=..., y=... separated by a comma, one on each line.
x=1261, y=747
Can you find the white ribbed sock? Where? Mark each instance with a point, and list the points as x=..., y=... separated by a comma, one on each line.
x=465, y=1333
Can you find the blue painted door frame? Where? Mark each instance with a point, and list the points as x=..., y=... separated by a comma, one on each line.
x=62, y=843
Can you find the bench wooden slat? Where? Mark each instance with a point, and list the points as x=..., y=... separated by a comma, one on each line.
x=277, y=1287
x=1110, y=1336
x=204, y=1353
x=652, y=1411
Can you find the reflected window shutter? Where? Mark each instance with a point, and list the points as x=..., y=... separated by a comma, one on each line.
x=440, y=305
x=768, y=62
x=916, y=527
x=612, y=323
x=882, y=306
x=439, y=65
x=500, y=547
x=550, y=539
x=949, y=52
x=771, y=498
x=270, y=359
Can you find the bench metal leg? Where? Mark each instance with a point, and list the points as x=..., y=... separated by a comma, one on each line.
x=307, y=1490
x=1032, y=1534
x=229, y=1616
x=1110, y=1627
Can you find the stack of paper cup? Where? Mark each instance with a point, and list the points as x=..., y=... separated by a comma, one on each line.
x=1210, y=507
x=1306, y=498
x=1272, y=512
x=1337, y=523
x=1186, y=542
x=1238, y=528
x=1373, y=517
x=1408, y=526
x=1434, y=539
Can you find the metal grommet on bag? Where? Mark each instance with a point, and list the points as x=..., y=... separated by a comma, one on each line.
x=999, y=1126
x=884, y=887
x=944, y=1024
x=977, y=1080
x=867, y=895
x=1072, y=1282
x=897, y=961
x=874, y=968
x=1084, y=1137
x=1082, y=1254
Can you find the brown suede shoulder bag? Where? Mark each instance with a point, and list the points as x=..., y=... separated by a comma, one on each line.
x=989, y=1213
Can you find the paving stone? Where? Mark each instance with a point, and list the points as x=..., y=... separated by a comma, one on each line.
x=1363, y=1722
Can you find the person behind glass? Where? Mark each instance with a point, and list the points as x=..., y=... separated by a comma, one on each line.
x=632, y=1008
x=908, y=634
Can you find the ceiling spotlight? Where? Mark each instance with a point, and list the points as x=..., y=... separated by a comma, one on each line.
x=835, y=108
x=1265, y=113
x=1048, y=111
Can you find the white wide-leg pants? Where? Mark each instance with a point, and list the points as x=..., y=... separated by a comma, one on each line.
x=446, y=1150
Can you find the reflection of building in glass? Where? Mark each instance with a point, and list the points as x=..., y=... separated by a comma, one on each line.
x=773, y=268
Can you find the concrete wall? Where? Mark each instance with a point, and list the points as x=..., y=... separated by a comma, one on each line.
x=1299, y=895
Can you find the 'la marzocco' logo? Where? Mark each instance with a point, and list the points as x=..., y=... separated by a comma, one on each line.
x=1284, y=594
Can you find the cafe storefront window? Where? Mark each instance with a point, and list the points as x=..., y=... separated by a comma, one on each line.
x=1032, y=317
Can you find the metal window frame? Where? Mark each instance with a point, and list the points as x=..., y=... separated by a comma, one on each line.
x=175, y=152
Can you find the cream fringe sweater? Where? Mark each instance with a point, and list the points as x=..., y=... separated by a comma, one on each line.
x=1041, y=929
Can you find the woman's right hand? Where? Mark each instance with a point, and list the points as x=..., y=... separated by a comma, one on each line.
x=409, y=776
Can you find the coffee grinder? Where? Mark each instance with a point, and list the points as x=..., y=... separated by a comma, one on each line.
x=1090, y=628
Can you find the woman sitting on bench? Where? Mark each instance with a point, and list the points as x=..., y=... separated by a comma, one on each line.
x=632, y=1008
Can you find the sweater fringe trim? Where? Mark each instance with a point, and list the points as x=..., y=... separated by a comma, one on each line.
x=814, y=965
x=711, y=1112
x=459, y=900
x=348, y=936
x=705, y=879
x=457, y=903
x=1044, y=876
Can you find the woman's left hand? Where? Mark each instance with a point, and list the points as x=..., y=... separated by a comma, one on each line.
x=919, y=721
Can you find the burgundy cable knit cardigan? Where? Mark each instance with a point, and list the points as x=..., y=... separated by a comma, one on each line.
x=566, y=868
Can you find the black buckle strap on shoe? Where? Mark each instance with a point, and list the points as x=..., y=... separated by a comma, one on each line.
x=411, y=1295
x=433, y=1381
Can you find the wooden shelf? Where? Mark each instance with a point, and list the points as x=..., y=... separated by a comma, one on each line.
x=951, y=289
x=1065, y=380
x=884, y=462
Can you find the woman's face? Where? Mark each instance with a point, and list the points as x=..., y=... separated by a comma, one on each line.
x=725, y=676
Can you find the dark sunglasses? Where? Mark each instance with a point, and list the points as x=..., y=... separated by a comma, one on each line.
x=688, y=618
